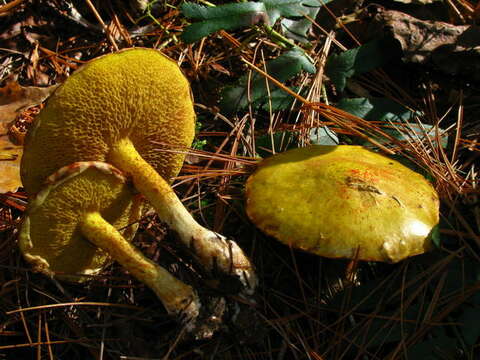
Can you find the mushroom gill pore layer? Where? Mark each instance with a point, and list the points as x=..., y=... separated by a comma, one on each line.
x=51, y=242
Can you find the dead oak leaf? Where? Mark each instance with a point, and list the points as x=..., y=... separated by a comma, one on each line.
x=10, y=156
x=454, y=49
x=15, y=98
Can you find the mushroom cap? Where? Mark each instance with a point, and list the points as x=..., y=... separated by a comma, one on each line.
x=343, y=202
x=137, y=93
x=50, y=238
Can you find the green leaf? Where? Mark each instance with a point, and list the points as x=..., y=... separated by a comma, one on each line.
x=377, y=109
x=381, y=109
x=241, y=15
x=196, y=11
x=279, y=100
x=417, y=131
x=280, y=140
x=290, y=64
x=283, y=68
x=223, y=17
x=436, y=236
x=358, y=61
x=288, y=8
x=323, y=136
x=297, y=29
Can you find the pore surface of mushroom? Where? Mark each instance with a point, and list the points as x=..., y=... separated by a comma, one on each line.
x=60, y=249
x=75, y=224
x=343, y=202
x=128, y=109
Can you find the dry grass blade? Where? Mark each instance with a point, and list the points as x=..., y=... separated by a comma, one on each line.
x=44, y=307
x=105, y=27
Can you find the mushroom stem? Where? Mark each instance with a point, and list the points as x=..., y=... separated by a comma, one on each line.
x=176, y=296
x=214, y=251
x=154, y=187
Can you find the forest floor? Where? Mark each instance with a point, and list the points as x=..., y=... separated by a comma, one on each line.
x=400, y=77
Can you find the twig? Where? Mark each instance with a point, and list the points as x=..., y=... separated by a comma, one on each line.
x=105, y=28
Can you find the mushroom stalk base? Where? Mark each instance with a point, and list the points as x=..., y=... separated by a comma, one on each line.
x=214, y=251
x=176, y=296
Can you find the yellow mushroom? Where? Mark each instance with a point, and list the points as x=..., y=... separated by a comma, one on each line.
x=75, y=224
x=132, y=109
x=343, y=202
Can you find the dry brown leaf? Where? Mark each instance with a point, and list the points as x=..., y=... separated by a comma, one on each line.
x=454, y=49
x=419, y=38
x=10, y=156
x=15, y=98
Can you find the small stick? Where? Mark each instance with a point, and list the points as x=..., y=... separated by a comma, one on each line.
x=105, y=28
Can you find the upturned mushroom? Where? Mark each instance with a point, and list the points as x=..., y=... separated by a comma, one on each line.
x=72, y=227
x=343, y=202
x=132, y=109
